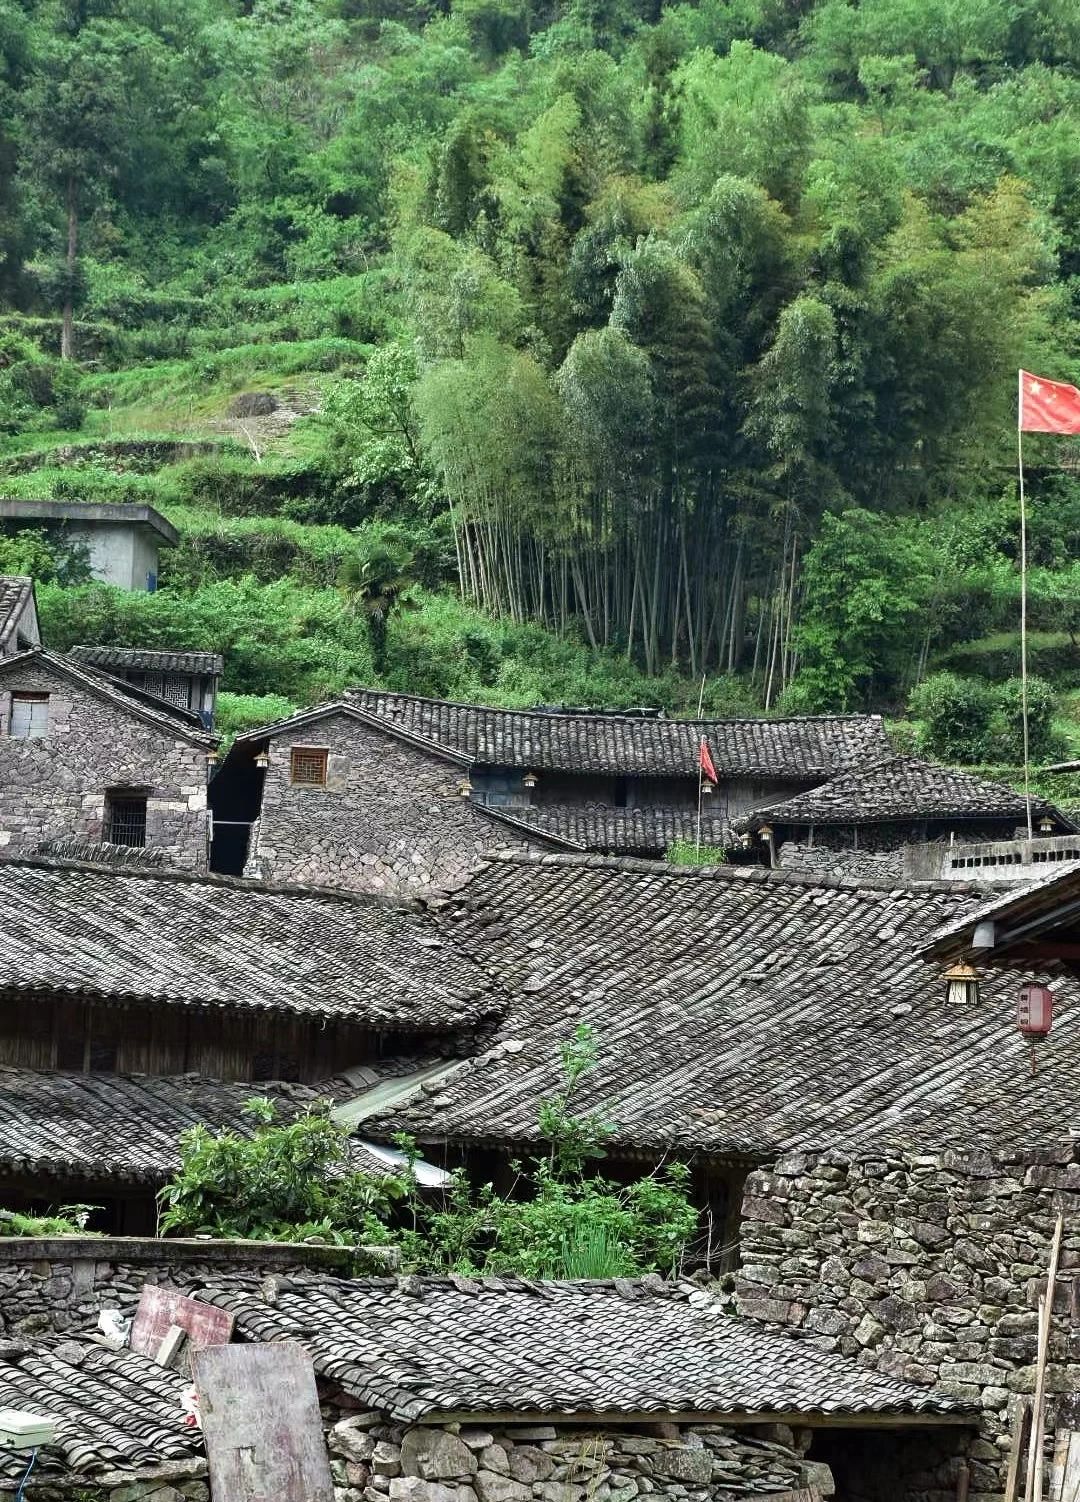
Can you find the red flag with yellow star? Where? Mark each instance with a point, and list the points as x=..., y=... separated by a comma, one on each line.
x=1048, y=406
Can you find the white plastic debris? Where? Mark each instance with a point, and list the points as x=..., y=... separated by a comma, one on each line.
x=115, y=1328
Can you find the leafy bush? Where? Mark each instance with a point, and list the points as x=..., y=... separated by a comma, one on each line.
x=285, y=1182
x=295, y=1181
x=46, y=559
x=969, y=721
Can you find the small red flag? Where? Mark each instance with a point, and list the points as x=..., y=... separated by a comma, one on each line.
x=705, y=762
x=1048, y=406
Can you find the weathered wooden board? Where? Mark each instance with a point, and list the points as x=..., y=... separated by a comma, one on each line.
x=261, y=1425
x=160, y=1308
x=1065, y=1471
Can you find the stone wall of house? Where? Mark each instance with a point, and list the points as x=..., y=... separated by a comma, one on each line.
x=373, y=1460
x=59, y=1285
x=54, y=786
x=390, y=819
x=926, y=1266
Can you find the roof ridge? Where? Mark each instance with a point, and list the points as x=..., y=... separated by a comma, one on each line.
x=662, y=717
x=638, y=865
x=212, y=879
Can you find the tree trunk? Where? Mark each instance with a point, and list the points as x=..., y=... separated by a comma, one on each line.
x=67, y=329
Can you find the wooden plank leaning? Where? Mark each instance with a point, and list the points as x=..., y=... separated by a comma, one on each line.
x=1033, y=1490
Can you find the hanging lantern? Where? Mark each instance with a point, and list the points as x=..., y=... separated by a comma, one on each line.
x=706, y=788
x=1035, y=1015
x=1046, y=824
x=961, y=985
x=263, y=759
x=529, y=780
x=464, y=789
x=1035, y=1011
x=765, y=832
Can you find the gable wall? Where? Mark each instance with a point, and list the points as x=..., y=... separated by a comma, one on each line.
x=55, y=786
x=927, y=1267
x=390, y=818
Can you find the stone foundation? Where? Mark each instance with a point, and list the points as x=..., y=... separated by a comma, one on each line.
x=376, y=1461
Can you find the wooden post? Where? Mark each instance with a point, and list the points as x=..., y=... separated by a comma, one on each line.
x=1033, y=1490
x=963, y=1482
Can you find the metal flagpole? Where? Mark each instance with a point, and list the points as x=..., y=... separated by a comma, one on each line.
x=1023, y=601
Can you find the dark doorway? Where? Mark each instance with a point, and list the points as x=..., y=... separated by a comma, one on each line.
x=235, y=798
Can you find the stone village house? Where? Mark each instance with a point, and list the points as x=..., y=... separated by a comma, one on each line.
x=903, y=814
x=390, y=792
x=445, y=1389
x=84, y=757
x=886, y=1174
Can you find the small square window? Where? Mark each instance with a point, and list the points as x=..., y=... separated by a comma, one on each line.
x=125, y=819
x=29, y=716
x=307, y=766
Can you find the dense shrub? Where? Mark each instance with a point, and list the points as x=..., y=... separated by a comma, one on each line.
x=968, y=720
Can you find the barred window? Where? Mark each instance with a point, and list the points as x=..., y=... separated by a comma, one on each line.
x=125, y=818
x=29, y=716
x=307, y=766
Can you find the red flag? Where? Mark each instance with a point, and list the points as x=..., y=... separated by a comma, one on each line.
x=705, y=762
x=1048, y=406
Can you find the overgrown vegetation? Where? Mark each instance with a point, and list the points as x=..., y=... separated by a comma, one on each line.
x=560, y=1219
x=598, y=348
x=66, y=1220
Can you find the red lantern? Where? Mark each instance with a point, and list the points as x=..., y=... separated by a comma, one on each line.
x=1035, y=1011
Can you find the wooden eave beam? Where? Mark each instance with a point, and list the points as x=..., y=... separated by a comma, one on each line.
x=796, y=1417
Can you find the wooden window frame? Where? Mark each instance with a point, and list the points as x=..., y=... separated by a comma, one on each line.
x=20, y=696
x=308, y=766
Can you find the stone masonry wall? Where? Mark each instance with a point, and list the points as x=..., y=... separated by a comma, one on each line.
x=59, y=1285
x=390, y=819
x=373, y=1460
x=927, y=1267
x=54, y=786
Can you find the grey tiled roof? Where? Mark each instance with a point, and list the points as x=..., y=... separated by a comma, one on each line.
x=138, y=659
x=104, y=1127
x=146, y=935
x=15, y=591
x=617, y=831
x=814, y=745
x=422, y=1346
x=115, y=1411
x=901, y=787
x=737, y=1012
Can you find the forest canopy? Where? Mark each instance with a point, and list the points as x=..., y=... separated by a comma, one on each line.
x=685, y=332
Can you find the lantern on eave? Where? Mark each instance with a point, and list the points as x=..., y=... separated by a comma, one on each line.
x=961, y=985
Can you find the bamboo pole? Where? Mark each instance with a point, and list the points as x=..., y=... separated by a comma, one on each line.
x=1033, y=1489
